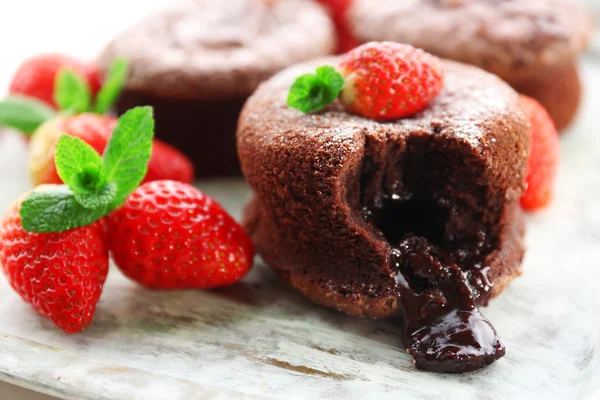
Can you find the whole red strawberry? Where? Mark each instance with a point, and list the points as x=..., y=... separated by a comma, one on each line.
x=544, y=156
x=386, y=80
x=60, y=274
x=337, y=10
x=169, y=235
x=166, y=162
x=36, y=76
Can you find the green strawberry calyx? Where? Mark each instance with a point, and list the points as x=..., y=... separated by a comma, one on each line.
x=94, y=185
x=72, y=94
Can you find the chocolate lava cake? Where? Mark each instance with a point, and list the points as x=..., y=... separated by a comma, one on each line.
x=531, y=44
x=417, y=217
x=198, y=62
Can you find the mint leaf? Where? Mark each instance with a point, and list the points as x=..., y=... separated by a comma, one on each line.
x=78, y=165
x=127, y=154
x=72, y=92
x=24, y=113
x=55, y=210
x=99, y=184
x=98, y=200
x=312, y=92
x=113, y=85
x=333, y=79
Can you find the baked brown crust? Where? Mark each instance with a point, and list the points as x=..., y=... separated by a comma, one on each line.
x=314, y=175
x=217, y=49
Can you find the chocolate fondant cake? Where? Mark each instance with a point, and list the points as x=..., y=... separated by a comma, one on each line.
x=531, y=44
x=196, y=65
x=417, y=217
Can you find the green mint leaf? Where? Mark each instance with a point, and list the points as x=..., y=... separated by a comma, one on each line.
x=312, y=92
x=72, y=92
x=25, y=114
x=113, y=85
x=333, y=79
x=55, y=210
x=78, y=165
x=98, y=200
x=127, y=154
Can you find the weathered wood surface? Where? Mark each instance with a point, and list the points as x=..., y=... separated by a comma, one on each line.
x=259, y=340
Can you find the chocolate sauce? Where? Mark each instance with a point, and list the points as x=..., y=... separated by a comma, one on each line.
x=439, y=283
x=443, y=329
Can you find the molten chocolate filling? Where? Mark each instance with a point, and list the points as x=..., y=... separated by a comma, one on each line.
x=439, y=283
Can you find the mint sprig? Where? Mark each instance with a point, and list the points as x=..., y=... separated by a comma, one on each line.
x=312, y=92
x=128, y=152
x=94, y=185
x=25, y=114
x=72, y=92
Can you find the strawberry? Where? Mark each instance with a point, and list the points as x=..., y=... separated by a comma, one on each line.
x=169, y=235
x=93, y=129
x=386, y=80
x=379, y=80
x=84, y=119
x=53, y=244
x=544, y=156
x=337, y=10
x=166, y=162
x=59, y=274
x=36, y=76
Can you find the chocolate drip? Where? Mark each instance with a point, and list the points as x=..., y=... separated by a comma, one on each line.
x=443, y=329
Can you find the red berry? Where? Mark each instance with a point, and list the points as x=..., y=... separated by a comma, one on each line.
x=386, y=80
x=345, y=40
x=337, y=9
x=60, y=274
x=168, y=163
x=169, y=235
x=95, y=130
x=544, y=156
x=35, y=77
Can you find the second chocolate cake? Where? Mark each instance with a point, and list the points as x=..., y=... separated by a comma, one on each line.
x=417, y=217
x=198, y=62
